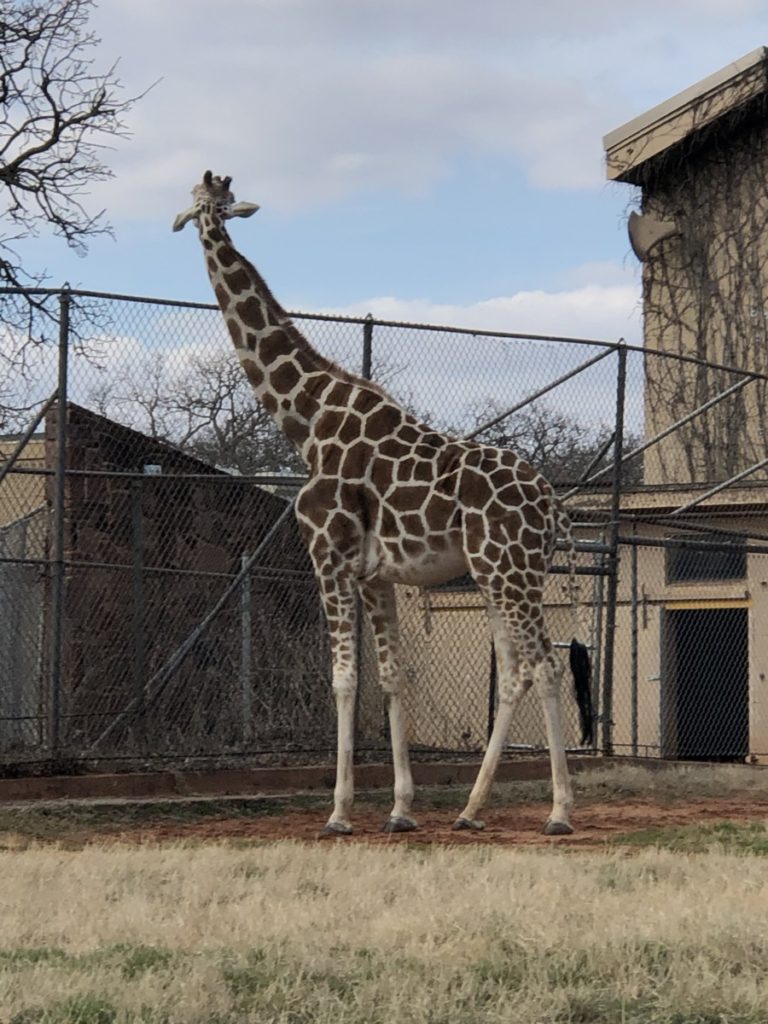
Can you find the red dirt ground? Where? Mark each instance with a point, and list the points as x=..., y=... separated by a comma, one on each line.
x=595, y=823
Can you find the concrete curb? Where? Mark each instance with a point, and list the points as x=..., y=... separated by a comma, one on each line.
x=252, y=781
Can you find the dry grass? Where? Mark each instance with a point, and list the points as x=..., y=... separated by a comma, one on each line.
x=669, y=781
x=356, y=935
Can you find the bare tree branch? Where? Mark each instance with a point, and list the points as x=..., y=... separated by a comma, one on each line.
x=207, y=409
x=58, y=113
x=553, y=442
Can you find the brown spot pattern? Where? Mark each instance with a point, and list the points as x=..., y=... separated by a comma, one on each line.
x=251, y=312
x=253, y=373
x=284, y=378
x=234, y=332
x=272, y=346
x=238, y=281
x=382, y=422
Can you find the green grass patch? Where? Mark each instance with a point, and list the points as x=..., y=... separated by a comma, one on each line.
x=82, y=1009
x=728, y=836
x=130, y=961
x=64, y=821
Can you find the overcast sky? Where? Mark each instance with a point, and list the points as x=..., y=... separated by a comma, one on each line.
x=435, y=160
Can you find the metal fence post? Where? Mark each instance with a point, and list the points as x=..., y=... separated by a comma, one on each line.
x=366, y=370
x=634, y=655
x=246, y=657
x=138, y=623
x=58, y=541
x=613, y=556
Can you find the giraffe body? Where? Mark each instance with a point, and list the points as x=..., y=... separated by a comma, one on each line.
x=390, y=500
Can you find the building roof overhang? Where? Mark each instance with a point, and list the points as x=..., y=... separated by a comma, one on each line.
x=630, y=147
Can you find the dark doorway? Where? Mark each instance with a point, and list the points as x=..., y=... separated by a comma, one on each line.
x=705, y=705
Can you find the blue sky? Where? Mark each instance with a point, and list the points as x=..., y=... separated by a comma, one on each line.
x=433, y=160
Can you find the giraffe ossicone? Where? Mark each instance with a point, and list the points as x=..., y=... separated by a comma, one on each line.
x=228, y=208
x=390, y=500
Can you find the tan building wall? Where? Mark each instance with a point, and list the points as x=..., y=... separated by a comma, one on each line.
x=705, y=294
x=448, y=649
x=700, y=160
x=22, y=493
x=655, y=679
x=758, y=657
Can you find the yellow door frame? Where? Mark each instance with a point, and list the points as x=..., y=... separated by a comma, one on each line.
x=706, y=602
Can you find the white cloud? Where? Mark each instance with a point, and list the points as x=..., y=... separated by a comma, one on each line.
x=593, y=311
x=308, y=102
x=445, y=375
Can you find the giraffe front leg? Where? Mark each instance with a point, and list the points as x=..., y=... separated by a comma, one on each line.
x=379, y=599
x=339, y=602
x=344, y=688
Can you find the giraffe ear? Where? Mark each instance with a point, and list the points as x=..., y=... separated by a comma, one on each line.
x=184, y=218
x=242, y=209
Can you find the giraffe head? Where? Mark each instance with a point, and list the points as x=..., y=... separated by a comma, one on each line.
x=213, y=194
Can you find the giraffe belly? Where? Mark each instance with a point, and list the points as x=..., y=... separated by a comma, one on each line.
x=421, y=570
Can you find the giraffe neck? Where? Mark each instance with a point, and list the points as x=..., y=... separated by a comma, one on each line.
x=288, y=376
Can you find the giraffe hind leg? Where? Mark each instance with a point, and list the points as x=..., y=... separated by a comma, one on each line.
x=512, y=688
x=515, y=610
x=547, y=677
x=379, y=600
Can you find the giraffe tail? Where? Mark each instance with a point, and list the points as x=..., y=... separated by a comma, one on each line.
x=581, y=670
x=581, y=666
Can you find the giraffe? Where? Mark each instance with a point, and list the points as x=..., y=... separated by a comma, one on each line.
x=390, y=500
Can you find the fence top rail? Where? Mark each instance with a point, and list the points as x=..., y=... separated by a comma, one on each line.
x=266, y=480
x=325, y=317
x=645, y=349
x=475, y=332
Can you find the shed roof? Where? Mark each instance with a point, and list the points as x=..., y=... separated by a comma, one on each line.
x=634, y=144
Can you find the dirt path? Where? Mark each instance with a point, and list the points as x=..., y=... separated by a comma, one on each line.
x=595, y=823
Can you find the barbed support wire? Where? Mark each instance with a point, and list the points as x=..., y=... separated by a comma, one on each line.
x=21, y=444
x=667, y=432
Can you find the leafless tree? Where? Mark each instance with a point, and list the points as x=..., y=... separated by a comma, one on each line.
x=554, y=442
x=225, y=425
x=206, y=408
x=58, y=114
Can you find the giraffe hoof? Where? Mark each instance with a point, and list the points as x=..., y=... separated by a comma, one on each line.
x=557, y=828
x=471, y=824
x=399, y=825
x=337, y=828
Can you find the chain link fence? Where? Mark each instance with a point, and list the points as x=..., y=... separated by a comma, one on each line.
x=157, y=604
